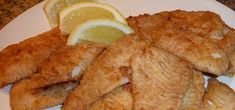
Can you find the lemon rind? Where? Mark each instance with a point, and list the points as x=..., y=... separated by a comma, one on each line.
x=47, y=7
x=49, y=4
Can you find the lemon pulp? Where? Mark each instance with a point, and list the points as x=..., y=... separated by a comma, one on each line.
x=76, y=14
x=99, y=30
x=83, y=15
x=53, y=7
x=102, y=34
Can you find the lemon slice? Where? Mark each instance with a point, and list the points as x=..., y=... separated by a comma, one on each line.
x=53, y=7
x=76, y=14
x=99, y=30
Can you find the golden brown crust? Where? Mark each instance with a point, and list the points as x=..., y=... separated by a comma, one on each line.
x=193, y=97
x=208, y=25
x=58, y=68
x=204, y=23
x=23, y=98
x=228, y=42
x=159, y=80
x=218, y=96
x=105, y=73
x=21, y=60
x=230, y=49
x=205, y=55
x=61, y=65
x=231, y=70
x=118, y=99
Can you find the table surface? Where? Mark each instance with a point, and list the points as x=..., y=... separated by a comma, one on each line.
x=9, y=9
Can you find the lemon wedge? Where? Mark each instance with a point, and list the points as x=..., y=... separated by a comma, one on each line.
x=99, y=30
x=76, y=14
x=53, y=7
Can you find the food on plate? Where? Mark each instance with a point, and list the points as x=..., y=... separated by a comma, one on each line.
x=218, y=96
x=208, y=25
x=118, y=99
x=205, y=23
x=159, y=79
x=23, y=98
x=157, y=65
x=109, y=70
x=65, y=65
x=193, y=96
x=76, y=14
x=53, y=7
x=103, y=31
x=204, y=55
x=21, y=60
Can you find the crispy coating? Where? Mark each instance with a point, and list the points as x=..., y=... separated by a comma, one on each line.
x=228, y=42
x=218, y=96
x=23, y=98
x=118, y=99
x=204, y=54
x=65, y=65
x=159, y=80
x=204, y=23
x=231, y=71
x=193, y=97
x=227, y=46
x=21, y=60
x=108, y=71
x=208, y=25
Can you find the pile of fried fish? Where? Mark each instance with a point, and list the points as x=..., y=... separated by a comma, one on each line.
x=159, y=67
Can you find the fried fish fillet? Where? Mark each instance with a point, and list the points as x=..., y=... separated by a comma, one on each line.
x=159, y=80
x=108, y=71
x=118, y=99
x=228, y=43
x=62, y=66
x=21, y=60
x=22, y=98
x=206, y=24
x=204, y=54
x=227, y=46
x=193, y=97
x=218, y=96
x=67, y=64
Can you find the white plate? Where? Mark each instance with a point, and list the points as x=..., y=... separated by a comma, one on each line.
x=33, y=21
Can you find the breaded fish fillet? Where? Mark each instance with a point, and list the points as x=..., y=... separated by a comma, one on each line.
x=227, y=46
x=205, y=55
x=118, y=99
x=159, y=80
x=193, y=97
x=206, y=24
x=218, y=96
x=66, y=64
x=62, y=66
x=110, y=70
x=22, y=98
x=21, y=60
